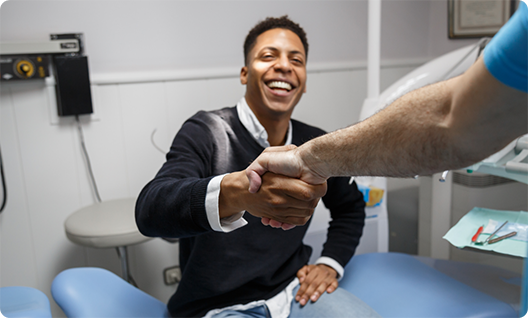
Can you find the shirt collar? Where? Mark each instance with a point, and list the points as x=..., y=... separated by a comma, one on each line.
x=255, y=128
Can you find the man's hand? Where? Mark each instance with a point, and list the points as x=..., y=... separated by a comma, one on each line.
x=315, y=280
x=284, y=199
x=285, y=160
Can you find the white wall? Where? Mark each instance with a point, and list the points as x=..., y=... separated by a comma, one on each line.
x=129, y=45
x=145, y=35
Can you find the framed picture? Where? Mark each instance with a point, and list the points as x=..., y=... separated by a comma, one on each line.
x=478, y=18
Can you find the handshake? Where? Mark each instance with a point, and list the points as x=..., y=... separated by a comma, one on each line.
x=302, y=183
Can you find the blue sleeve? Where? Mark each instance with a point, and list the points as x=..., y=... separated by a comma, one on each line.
x=506, y=55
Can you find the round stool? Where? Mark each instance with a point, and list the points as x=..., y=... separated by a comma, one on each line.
x=106, y=224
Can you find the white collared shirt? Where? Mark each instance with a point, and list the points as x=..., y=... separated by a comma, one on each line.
x=279, y=305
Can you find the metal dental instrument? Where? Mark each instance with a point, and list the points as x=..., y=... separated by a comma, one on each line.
x=500, y=238
x=492, y=234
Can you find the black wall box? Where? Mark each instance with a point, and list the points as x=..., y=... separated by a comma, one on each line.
x=73, y=85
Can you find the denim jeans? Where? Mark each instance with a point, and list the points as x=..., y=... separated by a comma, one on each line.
x=339, y=304
x=256, y=312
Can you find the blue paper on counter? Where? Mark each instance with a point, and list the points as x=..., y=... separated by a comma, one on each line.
x=460, y=235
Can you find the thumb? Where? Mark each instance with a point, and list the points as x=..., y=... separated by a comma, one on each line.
x=256, y=169
x=255, y=180
x=261, y=165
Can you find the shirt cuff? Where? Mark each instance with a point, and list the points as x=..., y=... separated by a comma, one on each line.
x=332, y=263
x=228, y=224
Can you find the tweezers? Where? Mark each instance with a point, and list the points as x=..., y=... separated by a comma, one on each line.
x=492, y=234
x=500, y=238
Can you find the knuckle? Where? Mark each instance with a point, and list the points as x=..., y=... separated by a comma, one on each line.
x=275, y=202
x=306, y=194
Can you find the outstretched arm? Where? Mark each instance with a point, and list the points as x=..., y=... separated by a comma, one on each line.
x=447, y=125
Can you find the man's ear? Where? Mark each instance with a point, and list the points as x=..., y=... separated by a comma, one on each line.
x=243, y=75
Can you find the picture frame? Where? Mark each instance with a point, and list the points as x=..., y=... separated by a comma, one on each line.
x=478, y=18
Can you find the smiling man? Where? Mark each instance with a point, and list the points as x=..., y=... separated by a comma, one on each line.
x=232, y=264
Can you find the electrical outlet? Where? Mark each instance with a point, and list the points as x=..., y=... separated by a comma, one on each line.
x=172, y=275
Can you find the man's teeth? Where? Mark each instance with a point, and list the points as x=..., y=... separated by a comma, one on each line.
x=282, y=85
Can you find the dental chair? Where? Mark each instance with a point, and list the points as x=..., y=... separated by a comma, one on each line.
x=96, y=292
x=393, y=284
x=20, y=301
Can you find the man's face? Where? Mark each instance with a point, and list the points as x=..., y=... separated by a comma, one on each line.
x=275, y=74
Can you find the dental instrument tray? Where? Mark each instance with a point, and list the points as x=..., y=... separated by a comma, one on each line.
x=496, y=234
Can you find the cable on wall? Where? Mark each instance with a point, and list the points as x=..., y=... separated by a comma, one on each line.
x=4, y=200
x=130, y=279
x=88, y=164
x=154, y=143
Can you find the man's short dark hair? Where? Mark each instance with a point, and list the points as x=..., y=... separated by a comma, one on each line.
x=273, y=23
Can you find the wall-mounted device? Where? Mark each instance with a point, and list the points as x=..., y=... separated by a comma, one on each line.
x=63, y=57
x=14, y=67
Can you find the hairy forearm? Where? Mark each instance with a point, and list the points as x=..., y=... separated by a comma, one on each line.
x=447, y=125
x=405, y=139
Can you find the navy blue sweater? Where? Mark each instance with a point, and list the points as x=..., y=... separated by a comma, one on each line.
x=253, y=262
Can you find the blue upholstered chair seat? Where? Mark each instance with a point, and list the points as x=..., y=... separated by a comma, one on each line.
x=400, y=285
x=395, y=285
x=19, y=301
